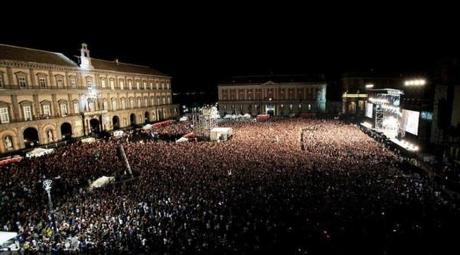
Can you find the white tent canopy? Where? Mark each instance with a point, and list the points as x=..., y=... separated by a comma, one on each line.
x=38, y=152
x=148, y=126
x=118, y=133
x=221, y=133
x=102, y=181
x=88, y=140
x=181, y=140
x=8, y=242
x=5, y=236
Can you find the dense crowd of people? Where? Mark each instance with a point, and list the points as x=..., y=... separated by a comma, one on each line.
x=287, y=186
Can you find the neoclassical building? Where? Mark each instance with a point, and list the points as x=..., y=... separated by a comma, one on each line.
x=274, y=98
x=46, y=97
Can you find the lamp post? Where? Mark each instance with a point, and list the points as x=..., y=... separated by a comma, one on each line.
x=47, y=186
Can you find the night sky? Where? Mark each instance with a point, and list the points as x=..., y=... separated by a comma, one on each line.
x=199, y=46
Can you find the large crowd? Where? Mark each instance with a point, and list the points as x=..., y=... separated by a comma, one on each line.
x=288, y=186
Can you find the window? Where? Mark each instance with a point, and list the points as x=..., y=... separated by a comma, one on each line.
x=139, y=102
x=63, y=107
x=131, y=103
x=4, y=115
x=60, y=81
x=112, y=84
x=151, y=85
x=137, y=84
x=73, y=81
x=22, y=80
x=157, y=84
x=89, y=81
x=123, y=104
x=76, y=107
x=2, y=82
x=114, y=104
x=103, y=83
x=146, y=102
x=121, y=84
x=91, y=106
x=130, y=85
x=42, y=81
x=164, y=100
x=105, y=105
x=27, y=110
x=47, y=109
x=145, y=85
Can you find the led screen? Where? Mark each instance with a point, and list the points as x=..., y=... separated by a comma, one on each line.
x=369, y=107
x=410, y=121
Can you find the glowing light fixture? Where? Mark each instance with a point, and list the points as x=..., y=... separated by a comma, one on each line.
x=415, y=82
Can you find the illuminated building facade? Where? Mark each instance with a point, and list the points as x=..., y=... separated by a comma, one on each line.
x=46, y=97
x=270, y=97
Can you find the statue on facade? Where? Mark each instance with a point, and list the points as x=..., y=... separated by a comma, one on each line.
x=8, y=143
x=50, y=136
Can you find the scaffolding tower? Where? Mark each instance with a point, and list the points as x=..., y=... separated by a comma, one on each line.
x=203, y=121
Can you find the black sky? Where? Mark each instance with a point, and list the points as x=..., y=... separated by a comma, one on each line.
x=200, y=45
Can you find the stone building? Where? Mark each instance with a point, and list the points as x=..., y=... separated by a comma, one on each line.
x=270, y=97
x=46, y=97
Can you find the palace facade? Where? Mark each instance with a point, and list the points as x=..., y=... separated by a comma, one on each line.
x=274, y=98
x=46, y=97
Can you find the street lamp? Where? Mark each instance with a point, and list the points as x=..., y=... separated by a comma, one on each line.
x=369, y=86
x=47, y=186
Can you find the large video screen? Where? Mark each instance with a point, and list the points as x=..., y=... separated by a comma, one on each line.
x=369, y=107
x=410, y=121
